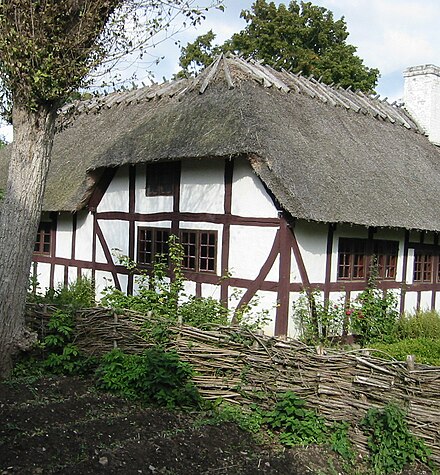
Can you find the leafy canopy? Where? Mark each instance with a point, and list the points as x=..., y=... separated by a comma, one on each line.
x=298, y=37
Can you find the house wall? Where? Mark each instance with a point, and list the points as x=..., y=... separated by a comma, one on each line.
x=269, y=256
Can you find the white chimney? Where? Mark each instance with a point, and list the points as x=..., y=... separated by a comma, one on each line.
x=421, y=98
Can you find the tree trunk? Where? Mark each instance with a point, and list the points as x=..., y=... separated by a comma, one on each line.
x=20, y=214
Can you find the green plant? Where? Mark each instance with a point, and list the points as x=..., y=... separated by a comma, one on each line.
x=390, y=442
x=340, y=441
x=156, y=292
x=64, y=357
x=76, y=295
x=201, y=312
x=155, y=376
x=221, y=412
x=295, y=424
x=425, y=350
x=423, y=324
x=316, y=320
x=373, y=315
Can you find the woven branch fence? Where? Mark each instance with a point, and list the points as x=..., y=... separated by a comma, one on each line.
x=242, y=367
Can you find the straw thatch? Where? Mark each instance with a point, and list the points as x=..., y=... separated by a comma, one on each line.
x=242, y=367
x=325, y=153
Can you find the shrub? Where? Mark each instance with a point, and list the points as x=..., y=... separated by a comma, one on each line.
x=76, y=295
x=296, y=424
x=426, y=351
x=155, y=376
x=201, y=312
x=373, y=315
x=316, y=320
x=423, y=324
x=64, y=357
x=391, y=444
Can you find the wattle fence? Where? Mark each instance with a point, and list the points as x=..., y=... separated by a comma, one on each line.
x=243, y=367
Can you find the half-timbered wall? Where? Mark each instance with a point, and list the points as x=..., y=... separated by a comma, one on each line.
x=268, y=254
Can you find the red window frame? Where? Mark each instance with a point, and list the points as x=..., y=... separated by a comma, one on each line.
x=423, y=266
x=43, y=240
x=353, y=257
x=199, y=247
x=151, y=242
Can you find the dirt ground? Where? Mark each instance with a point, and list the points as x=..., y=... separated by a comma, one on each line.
x=62, y=425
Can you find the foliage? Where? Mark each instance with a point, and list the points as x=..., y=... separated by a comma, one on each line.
x=221, y=412
x=390, y=442
x=316, y=320
x=156, y=292
x=423, y=324
x=373, y=315
x=425, y=350
x=296, y=424
x=201, y=312
x=155, y=376
x=64, y=356
x=163, y=300
x=299, y=37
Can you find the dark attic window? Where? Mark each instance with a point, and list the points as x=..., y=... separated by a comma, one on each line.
x=161, y=178
x=43, y=240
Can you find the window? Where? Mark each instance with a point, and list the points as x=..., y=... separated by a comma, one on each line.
x=152, y=242
x=43, y=239
x=422, y=266
x=199, y=250
x=199, y=247
x=352, y=260
x=385, y=253
x=161, y=178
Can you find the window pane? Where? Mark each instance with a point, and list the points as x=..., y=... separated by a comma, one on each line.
x=188, y=239
x=207, y=251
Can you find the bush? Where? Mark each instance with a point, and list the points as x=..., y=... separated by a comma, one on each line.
x=201, y=312
x=296, y=424
x=76, y=295
x=155, y=376
x=391, y=444
x=426, y=351
x=423, y=324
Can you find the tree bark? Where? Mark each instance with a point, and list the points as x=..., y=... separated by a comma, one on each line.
x=20, y=214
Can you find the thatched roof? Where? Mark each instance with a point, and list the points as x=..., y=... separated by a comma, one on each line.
x=327, y=154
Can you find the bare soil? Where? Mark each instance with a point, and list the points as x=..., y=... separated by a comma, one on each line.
x=62, y=425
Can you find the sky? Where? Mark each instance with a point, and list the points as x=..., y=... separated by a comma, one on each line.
x=390, y=35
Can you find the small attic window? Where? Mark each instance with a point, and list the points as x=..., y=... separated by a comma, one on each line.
x=43, y=241
x=161, y=178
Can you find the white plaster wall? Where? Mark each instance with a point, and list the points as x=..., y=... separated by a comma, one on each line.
x=72, y=274
x=274, y=273
x=295, y=276
x=410, y=267
x=249, y=249
x=249, y=198
x=43, y=276
x=422, y=98
x=102, y=279
x=116, y=234
x=84, y=233
x=292, y=328
x=410, y=302
x=58, y=276
x=100, y=256
x=210, y=290
x=202, y=186
x=116, y=196
x=64, y=236
x=149, y=204
x=189, y=288
x=425, y=300
x=312, y=242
